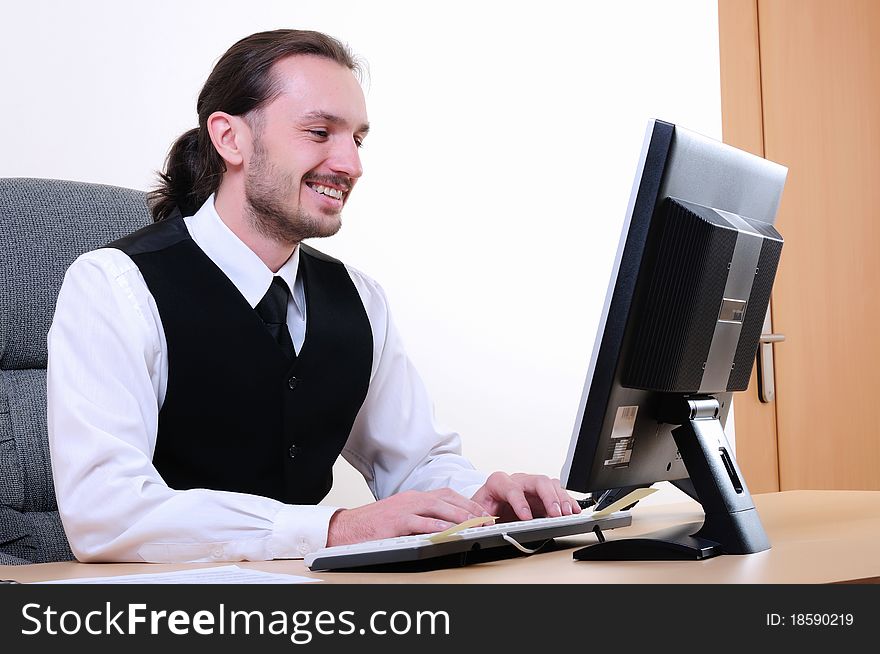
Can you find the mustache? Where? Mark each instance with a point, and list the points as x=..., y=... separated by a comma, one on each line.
x=341, y=181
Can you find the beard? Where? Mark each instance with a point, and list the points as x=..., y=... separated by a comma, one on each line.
x=268, y=209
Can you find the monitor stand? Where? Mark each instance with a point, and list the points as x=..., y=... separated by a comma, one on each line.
x=731, y=524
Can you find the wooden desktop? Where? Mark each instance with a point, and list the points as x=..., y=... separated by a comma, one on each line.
x=817, y=537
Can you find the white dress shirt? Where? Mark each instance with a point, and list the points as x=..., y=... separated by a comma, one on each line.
x=107, y=377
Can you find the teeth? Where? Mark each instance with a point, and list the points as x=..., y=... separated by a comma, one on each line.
x=331, y=192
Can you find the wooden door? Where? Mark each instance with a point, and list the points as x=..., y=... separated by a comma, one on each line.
x=743, y=127
x=801, y=86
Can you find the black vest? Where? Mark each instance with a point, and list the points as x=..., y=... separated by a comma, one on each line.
x=236, y=415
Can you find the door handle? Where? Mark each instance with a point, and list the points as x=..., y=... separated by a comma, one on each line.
x=766, y=379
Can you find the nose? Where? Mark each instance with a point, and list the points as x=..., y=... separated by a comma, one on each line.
x=346, y=159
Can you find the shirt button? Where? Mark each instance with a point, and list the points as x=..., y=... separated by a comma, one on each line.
x=294, y=450
x=292, y=382
x=217, y=553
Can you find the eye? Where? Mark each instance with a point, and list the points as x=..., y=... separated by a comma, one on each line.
x=359, y=142
x=320, y=133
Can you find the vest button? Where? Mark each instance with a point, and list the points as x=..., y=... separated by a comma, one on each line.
x=292, y=382
x=294, y=450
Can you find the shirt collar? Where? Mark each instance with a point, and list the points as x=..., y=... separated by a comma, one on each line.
x=237, y=261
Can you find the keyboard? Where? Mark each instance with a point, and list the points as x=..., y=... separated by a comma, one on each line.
x=460, y=547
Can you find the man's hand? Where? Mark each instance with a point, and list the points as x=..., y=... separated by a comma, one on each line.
x=410, y=512
x=523, y=497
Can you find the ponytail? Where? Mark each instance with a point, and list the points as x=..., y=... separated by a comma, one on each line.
x=193, y=171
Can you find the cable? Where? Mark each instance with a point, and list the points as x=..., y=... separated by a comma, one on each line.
x=521, y=548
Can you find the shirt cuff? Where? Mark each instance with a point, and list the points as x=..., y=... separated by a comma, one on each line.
x=299, y=530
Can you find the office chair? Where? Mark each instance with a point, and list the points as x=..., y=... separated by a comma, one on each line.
x=44, y=225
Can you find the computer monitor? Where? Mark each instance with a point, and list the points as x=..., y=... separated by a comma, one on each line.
x=678, y=335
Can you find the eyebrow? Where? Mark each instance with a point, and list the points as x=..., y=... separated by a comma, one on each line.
x=335, y=120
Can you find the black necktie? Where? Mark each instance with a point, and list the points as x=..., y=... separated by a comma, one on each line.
x=273, y=310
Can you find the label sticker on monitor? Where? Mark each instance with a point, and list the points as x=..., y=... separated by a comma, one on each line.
x=732, y=310
x=620, y=449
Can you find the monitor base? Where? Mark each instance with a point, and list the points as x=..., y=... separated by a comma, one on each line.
x=670, y=545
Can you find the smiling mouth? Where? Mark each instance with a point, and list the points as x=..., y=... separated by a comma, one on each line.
x=330, y=192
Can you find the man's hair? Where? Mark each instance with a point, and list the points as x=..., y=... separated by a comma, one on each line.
x=240, y=82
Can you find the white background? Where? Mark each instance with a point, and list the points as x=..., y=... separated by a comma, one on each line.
x=503, y=145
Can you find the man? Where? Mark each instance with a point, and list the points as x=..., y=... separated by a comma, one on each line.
x=206, y=372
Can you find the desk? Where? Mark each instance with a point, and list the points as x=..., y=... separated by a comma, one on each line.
x=817, y=537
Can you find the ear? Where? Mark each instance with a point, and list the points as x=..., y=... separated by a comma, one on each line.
x=230, y=136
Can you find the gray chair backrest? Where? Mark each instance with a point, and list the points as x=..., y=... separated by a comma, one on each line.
x=44, y=225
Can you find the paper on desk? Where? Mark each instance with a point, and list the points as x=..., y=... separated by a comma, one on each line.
x=626, y=500
x=227, y=574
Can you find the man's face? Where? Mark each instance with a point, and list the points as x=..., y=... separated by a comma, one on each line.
x=305, y=161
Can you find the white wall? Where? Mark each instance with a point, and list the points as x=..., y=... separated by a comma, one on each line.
x=503, y=144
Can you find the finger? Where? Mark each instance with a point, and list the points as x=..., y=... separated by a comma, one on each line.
x=504, y=487
x=546, y=491
x=566, y=503
x=569, y=504
x=417, y=524
x=550, y=494
x=436, y=507
x=432, y=504
x=518, y=502
x=456, y=499
x=513, y=493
